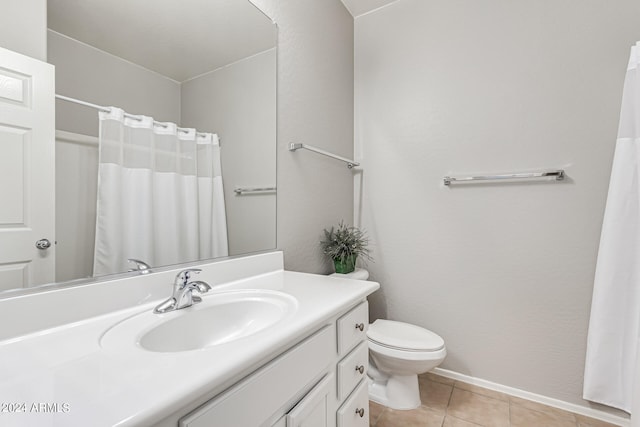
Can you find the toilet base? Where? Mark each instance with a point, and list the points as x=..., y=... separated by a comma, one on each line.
x=396, y=391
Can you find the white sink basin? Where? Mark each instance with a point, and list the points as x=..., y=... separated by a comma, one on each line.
x=220, y=318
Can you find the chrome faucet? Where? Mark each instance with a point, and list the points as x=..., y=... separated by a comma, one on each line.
x=140, y=266
x=183, y=292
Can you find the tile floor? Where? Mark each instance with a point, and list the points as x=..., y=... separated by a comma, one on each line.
x=449, y=403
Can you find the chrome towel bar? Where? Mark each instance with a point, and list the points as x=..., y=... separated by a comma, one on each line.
x=254, y=190
x=558, y=174
x=296, y=146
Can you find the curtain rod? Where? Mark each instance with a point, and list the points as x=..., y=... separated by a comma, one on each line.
x=108, y=110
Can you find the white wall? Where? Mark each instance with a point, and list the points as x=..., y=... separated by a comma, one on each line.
x=502, y=272
x=238, y=102
x=23, y=27
x=315, y=106
x=92, y=75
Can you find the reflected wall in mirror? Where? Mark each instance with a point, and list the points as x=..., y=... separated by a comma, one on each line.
x=209, y=65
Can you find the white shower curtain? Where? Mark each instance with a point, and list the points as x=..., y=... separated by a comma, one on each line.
x=160, y=195
x=612, y=346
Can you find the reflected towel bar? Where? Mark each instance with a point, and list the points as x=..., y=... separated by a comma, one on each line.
x=557, y=173
x=254, y=190
x=296, y=146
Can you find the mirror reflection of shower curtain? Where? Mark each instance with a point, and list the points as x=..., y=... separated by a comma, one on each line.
x=614, y=326
x=160, y=195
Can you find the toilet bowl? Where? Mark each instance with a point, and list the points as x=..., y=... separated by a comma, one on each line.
x=398, y=352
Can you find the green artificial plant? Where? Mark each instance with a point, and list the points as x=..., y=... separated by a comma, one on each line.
x=343, y=245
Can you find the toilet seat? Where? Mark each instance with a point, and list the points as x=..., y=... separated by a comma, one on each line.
x=408, y=355
x=394, y=335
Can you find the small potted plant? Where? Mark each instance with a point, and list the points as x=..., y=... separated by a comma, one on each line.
x=343, y=245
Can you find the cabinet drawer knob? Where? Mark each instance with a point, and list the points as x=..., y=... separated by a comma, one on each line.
x=360, y=411
x=360, y=326
x=360, y=369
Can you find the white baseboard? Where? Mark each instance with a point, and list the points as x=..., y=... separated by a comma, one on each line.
x=566, y=406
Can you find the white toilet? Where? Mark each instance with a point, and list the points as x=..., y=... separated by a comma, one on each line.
x=398, y=352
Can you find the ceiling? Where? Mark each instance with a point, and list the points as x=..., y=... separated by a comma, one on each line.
x=360, y=7
x=178, y=39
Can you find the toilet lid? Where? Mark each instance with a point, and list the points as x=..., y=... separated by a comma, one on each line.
x=404, y=336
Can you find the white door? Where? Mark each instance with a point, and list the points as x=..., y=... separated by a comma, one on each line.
x=27, y=162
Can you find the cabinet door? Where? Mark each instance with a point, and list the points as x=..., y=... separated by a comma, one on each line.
x=313, y=409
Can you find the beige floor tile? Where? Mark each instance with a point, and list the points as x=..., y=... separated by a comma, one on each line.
x=434, y=395
x=437, y=378
x=481, y=390
x=457, y=404
x=421, y=417
x=450, y=421
x=478, y=409
x=525, y=417
x=555, y=412
x=375, y=410
x=592, y=422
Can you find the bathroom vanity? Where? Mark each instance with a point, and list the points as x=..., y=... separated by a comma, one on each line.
x=306, y=385
x=265, y=347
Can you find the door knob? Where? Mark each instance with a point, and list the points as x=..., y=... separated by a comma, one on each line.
x=43, y=244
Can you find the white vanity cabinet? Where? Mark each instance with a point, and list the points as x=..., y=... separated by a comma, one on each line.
x=319, y=382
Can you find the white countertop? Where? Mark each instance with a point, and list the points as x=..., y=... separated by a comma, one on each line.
x=84, y=384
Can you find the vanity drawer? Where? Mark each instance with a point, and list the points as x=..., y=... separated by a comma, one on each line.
x=259, y=396
x=355, y=411
x=352, y=369
x=352, y=328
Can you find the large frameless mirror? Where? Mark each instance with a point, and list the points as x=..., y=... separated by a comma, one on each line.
x=165, y=137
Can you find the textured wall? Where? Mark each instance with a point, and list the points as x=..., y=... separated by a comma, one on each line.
x=315, y=106
x=503, y=272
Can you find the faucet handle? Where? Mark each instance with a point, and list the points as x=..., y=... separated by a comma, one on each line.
x=183, y=277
